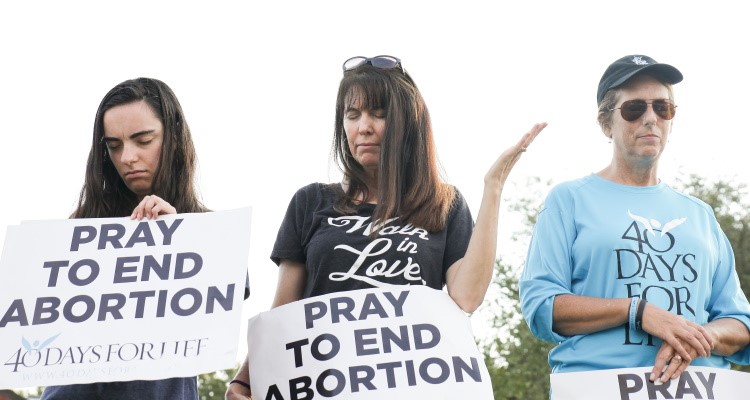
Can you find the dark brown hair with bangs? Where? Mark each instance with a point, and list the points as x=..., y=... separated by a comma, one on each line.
x=409, y=182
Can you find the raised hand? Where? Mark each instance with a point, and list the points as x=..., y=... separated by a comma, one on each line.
x=500, y=170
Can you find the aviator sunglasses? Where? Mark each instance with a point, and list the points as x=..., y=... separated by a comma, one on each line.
x=380, y=62
x=631, y=110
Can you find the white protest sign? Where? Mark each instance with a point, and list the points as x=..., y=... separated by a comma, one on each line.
x=634, y=384
x=113, y=299
x=400, y=342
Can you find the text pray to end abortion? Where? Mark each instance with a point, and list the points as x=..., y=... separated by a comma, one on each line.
x=153, y=303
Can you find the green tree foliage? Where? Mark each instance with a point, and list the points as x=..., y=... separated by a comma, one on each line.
x=517, y=360
x=733, y=213
x=213, y=385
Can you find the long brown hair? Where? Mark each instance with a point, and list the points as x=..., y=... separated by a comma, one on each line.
x=104, y=194
x=409, y=183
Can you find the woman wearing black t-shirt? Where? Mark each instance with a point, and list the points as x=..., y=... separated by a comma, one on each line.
x=392, y=220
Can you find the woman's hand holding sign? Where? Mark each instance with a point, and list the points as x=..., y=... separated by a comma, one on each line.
x=151, y=207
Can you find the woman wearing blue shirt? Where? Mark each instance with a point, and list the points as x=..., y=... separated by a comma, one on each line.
x=622, y=270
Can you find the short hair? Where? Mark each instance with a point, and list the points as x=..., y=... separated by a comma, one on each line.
x=610, y=99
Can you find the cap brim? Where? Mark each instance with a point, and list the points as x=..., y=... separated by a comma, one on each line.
x=663, y=72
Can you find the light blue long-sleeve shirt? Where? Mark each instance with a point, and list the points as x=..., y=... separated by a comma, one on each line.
x=597, y=238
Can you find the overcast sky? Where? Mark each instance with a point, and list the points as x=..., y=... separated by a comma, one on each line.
x=258, y=80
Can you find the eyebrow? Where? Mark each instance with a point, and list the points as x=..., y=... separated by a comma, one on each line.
x=132, y=136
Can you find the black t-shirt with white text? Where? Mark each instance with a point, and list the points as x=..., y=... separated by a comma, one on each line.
x=339, y=254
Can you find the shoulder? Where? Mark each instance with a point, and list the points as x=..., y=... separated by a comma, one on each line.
x=692, y=201
x=574, y=185
x=316, y=190
x=565, y=192
x=311, y=188
x=458, y=206
x=458, y=197
x=315, y=196
x=457, y=201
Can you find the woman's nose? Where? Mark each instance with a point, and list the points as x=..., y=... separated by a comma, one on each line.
x=366, y=124
x=650, y=114
x=129, y=154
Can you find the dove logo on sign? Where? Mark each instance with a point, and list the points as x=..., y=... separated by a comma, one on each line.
x=31, y=352
x=37, y=345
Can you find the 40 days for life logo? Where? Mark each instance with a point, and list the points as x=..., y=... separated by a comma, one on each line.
x=36, y=354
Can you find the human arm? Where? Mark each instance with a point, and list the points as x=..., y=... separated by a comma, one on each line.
x=728, y=315
x=238, y=391
x=151, y=207
x=468, y=278
x=566, y=289
x=729, y=336
x=290, y=284
x=289, y=288
x=578, y=315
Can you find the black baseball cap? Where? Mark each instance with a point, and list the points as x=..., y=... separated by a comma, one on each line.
x=625, y=68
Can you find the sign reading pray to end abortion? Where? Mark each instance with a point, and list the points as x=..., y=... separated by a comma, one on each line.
x=634, y=384
x=400, y=342
x=113, y=299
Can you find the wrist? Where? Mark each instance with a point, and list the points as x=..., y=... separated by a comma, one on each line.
x=241, y=383
x=639, y=314
x=632, y=310
x=493, y=186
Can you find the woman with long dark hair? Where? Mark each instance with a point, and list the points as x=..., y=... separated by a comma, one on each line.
x=141, y=164
x=392, y=220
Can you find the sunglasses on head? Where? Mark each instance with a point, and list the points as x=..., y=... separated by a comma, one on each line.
x=380, y=62
x=631, y=110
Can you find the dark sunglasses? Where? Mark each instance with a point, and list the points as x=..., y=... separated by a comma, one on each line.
x=380, y=62
x=631, y=110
